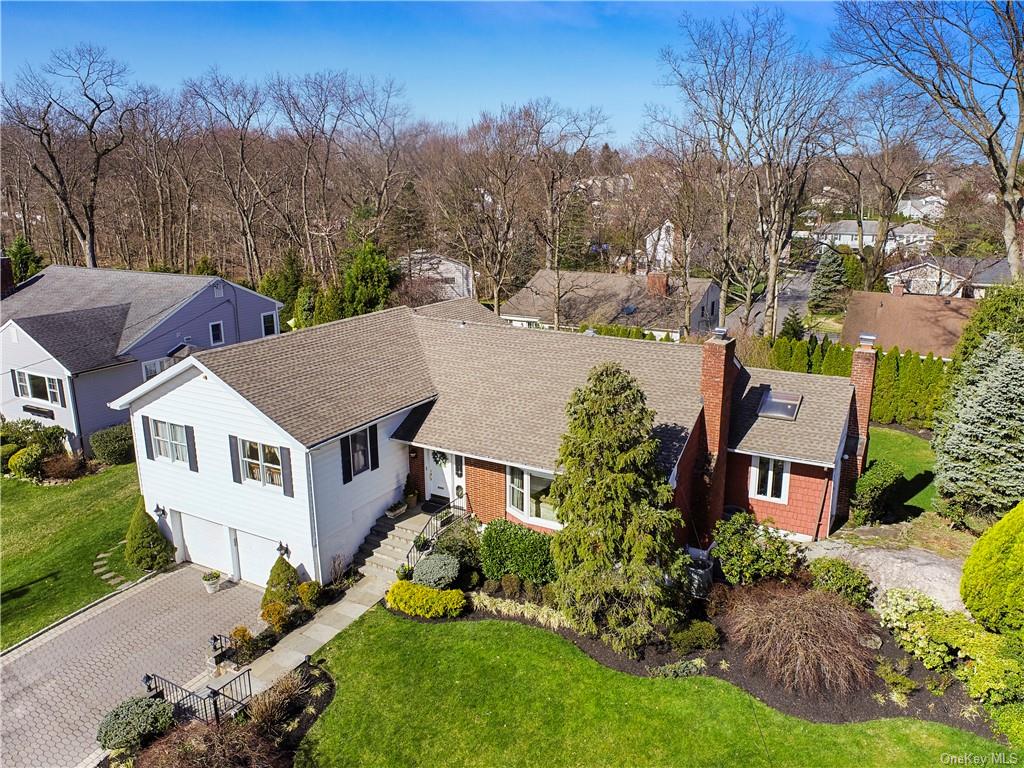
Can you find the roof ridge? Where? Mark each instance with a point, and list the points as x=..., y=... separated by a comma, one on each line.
x=119, y=270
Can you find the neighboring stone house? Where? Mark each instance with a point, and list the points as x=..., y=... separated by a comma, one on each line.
x=907, y=237
x=920, y=323
x=951, y=276
x=74, y=339
x=298, y=444
x=453, y=278
x=653, y=302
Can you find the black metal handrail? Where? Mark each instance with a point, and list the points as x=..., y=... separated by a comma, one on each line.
x=188, y=705
x=209, y=706
x=456, y=509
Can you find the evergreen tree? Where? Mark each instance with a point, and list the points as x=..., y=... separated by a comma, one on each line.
x=812, y=343
x=305, y=305
x=800, y=361
x=617, y=545
x=832, y=361
x=826, y=342
x=368, y=281
x=25, y=262
x=328, y=305
x=816, y=360
x=406, y=228
x=828, y=285
x=886, y=391
x=909, y=390
x=204, y=266
x=782, y=353
x=283, y=283
x=145, y=547
x=933, y=387
x=853, y=269
x=979, y=464
x=792, y=325
x=1001, y=310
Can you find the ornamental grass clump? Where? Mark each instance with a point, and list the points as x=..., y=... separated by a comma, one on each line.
x=805, y=641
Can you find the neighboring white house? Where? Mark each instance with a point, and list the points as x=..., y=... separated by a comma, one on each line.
x=454, y=277
x=925, y=207
x=905, y=236
x=659, y=247
x=964, y=277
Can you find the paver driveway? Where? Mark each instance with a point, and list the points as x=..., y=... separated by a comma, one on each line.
x=56, y=688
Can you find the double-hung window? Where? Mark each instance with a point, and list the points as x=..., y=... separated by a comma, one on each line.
x=359, y=445
x=169, y=441
x=516, y=489
x=261, y=463
x=769, y=479
x=216, y=333
x=31, y=385
x=269, y=323
x=152, y=367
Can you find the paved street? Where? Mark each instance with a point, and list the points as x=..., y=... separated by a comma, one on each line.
x=56, y=688
x=793, y=293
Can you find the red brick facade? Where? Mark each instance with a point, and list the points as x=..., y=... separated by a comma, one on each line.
x=807, y=509
x=862, y=374
x=485, y=489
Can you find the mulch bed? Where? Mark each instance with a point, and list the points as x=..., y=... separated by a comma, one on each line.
x=947, y=709
x=307, y=708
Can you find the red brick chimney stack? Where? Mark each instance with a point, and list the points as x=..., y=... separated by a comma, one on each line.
x=898, y=289
x=657, y=283
x=862, y=374
x=717, y=376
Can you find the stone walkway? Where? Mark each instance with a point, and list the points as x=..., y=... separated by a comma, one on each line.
x=101, y=568
x=57, y=687
x=910, y=568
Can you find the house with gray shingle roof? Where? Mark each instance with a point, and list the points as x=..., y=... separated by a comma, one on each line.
x=299, y=444
x=949, y=276
x=75, y=338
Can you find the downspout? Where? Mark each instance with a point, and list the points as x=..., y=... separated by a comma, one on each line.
x=317, y=570
x=74, y=410
x=821, y=512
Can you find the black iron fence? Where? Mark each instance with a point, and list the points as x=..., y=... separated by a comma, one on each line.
x=456, y=509
x=211, y=705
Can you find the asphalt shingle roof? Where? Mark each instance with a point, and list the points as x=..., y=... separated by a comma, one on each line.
x=87, y=318
x=921, y=323
x=601, y=297
x=494, y=391
x=467, y=309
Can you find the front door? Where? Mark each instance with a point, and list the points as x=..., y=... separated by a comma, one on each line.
x=439, y=465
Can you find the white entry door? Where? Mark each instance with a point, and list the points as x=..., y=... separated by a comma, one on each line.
x=439, y=474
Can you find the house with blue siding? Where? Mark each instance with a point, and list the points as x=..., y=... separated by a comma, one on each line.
x=74, y=339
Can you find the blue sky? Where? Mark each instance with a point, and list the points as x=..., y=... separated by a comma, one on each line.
x=454, y=59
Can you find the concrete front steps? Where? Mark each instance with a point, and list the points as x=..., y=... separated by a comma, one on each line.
x=387, y=545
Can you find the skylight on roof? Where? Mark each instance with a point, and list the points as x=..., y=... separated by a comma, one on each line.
x=779, y=405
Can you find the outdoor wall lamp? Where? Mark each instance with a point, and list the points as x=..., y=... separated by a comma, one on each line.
x=147, y=680
x=160, y=511
x=412, y=452
x=282, y=549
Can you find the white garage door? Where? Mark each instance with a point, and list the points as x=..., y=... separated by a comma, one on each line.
x=205, y=543
x=256, y=557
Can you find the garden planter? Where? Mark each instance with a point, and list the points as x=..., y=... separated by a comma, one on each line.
x=410, y=501
x=700, y=571
x=211, y=586
x=397, y=510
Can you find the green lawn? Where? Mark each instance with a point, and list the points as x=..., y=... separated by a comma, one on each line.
x=494, y=693
x=921, y=527
x=49, y=538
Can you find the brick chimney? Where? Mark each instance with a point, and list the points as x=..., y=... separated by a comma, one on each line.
x=6, y=277
x=657, y=283
x=717, y=376
x=898, y=289
x=862, y=374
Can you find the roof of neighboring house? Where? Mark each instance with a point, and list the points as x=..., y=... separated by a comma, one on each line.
x=849, y=227
x=920, y=323
x=87, y=318
x=993, y=270
x=468, y=309
x=491, y=390
x=605, y=298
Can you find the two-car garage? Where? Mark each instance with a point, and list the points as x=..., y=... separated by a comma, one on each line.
x=239, y=554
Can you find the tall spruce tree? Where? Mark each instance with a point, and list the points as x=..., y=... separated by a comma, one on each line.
x=792, y=325
x=979, y=464
x=368, y=281
x=617, y=545
x=886, y=391
x=828, y=289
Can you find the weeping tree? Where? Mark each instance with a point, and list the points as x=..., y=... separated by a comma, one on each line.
x=617, y=544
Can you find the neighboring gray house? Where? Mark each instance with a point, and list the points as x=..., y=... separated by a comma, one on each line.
x=654, y=302
x=74, y=339
x=905, y=236
x=950, y=276
x=453, y=278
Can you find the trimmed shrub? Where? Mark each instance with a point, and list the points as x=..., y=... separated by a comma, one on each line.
x=18, y=431
x=531, y=592
x=461, y=541
x=282, y=584
x=134, y=722
x=309, y=594
x=549, y=596
x=804, y=640
x=903, y=612
x=749, y=552
x=113, y=445
x=404, y=572
x=6, y=451
x=509, y=548
x=436, y=570
x=490, y=587
x=992, y=586
x=697, y=635
x=874, y=490
x=275, y=614
x=145, y=547
x=684, y=668
x=28, y=462
x=511, y=585
x=51, y=440
x=242, y=640
x=898, y=683
x=830, y=574
x=425, y=602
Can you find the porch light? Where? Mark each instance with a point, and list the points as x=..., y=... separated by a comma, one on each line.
x=160, y=511
x=282, y=549
x=214, y=642
x=412, y=452
x=147, y=680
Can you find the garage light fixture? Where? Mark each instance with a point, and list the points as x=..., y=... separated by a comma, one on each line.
x=160, y=511
x=282, y=549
